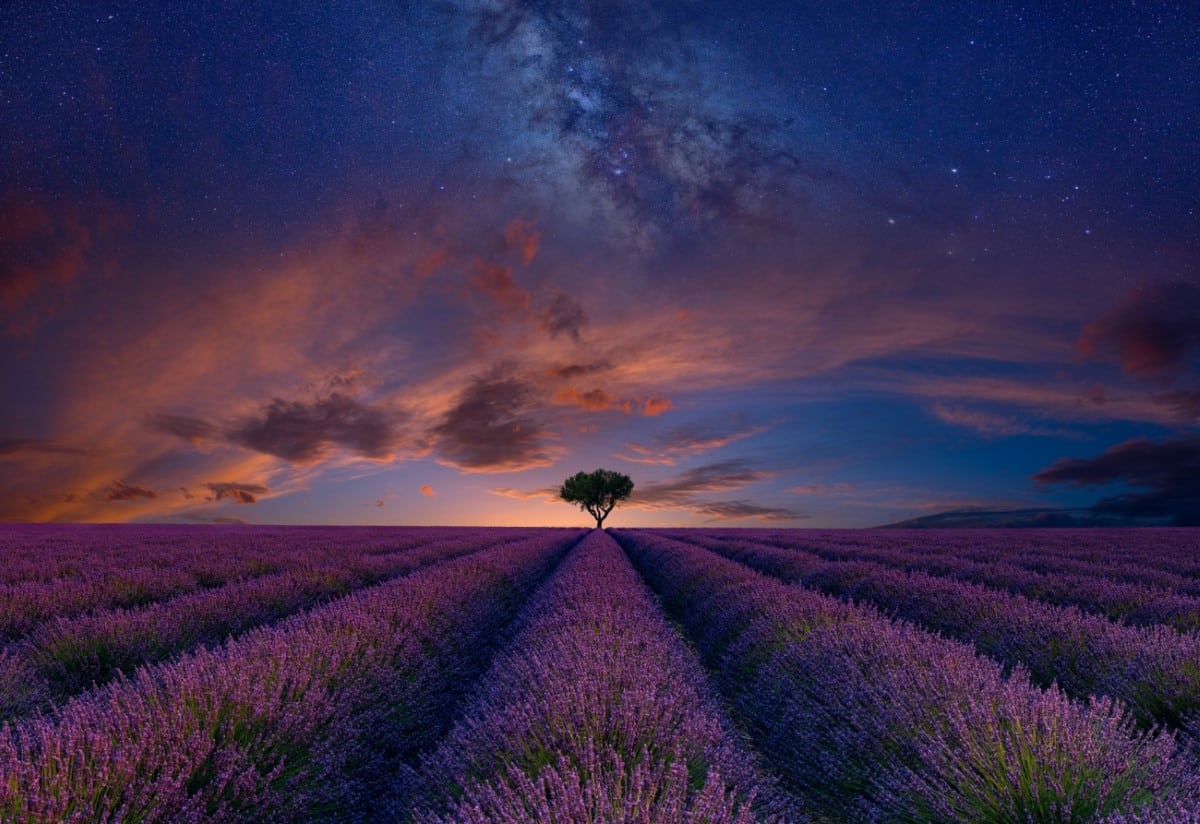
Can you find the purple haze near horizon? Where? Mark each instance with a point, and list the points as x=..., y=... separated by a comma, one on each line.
x=417, y=263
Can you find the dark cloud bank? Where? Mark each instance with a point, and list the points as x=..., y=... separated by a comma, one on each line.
x=1163, y=479
x=492, y=428
x=297, y=431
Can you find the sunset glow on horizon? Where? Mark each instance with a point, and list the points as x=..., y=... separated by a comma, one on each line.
x=787, y=265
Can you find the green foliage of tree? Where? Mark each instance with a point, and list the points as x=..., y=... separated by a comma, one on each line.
x=596, y=492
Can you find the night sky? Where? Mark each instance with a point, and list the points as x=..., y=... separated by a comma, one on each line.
x=796, y=264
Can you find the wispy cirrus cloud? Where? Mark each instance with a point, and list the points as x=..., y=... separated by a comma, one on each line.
x=736, y=510
x=988, y=422
x=192, y=430
x=686, y=441
x=690, y=490
x=25, y=447
x=548, y=494
x=823, y=489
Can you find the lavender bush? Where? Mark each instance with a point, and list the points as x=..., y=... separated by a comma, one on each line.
x=1154, y=670
x=875, y=720
x=291, y=722
x=85, y=568
x=67, y=655
x=596, y=713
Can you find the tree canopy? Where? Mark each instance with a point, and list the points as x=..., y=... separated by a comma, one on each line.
x=596, y=492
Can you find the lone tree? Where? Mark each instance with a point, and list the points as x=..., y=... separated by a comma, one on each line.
x=597, y=492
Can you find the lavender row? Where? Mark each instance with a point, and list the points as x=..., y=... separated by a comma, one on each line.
x=51, y=552
x=202, y=557
x=291, y=722
x=876, y=720
x=1168, y=557
x=1154, y=670
x=67, y=655
x=596, y=712
x=1135, y=603
x=1122, y=564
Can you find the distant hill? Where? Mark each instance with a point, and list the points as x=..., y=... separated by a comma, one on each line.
x=1011, y=518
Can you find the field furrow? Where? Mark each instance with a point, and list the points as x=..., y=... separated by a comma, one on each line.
x=596, y=712
x=68, y=655
x=876, y=720
x=290, y=722
x=1154, y=670
x=1115, y=599
x=174, y=562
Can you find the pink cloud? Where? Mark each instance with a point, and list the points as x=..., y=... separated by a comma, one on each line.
x=521, y=236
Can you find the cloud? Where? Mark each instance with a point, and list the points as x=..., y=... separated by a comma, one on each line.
x=238, y=493
x=491, y=428
x=687, y=491
x=1167, y=472
x=682, y=489
x=24, y=447
x=46, y=243
x=822, y=489
x=497, y=283
x=546, y=493
x=685, y=441
x=1038, y=518
x=653, y=407
x=989, y=423
x=594, y=399
x=680, y=493
x=119, y=491
x=578, y=370
x=301, y=432
x=1184, y=402
x=597, y=400
x=732, y=510
x=428, y=491
x=1044, y=396
x=430, y=263
x=520, y=235
x=1151, y=332
x=563, y=316
x=202, y=517
x=192, y=430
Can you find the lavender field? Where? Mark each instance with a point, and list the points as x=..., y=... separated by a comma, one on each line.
x=179, y=674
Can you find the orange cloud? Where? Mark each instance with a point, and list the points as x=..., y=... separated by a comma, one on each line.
x=428, y=491
x=497, y=282
x=594, y=399
x=653, y=407
x=521, y=236
x=426, y=266
x=120, y=491
x=684, y=441
x=237, y=492
x=44, y=247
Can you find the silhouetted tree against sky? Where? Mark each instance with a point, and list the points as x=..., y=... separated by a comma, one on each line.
x=596, y=492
